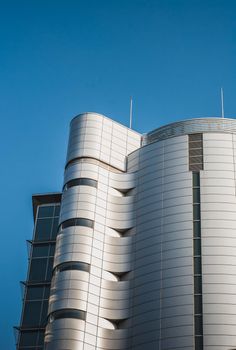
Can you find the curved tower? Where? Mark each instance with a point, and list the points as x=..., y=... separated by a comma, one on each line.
x=89, y=304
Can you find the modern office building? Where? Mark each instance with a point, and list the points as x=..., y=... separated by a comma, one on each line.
x=145, y=247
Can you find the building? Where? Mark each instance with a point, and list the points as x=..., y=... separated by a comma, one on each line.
x=145, y=254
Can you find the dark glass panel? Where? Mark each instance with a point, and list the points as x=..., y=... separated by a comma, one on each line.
x=198, y=343
x=198, y=325
x=77, y=222
x=196, y=212
x=46, y=211
x=57, y=210
x=197, y=246
x=196, y=180
x=49, y=269
x=52, y=249
x=197, y=229
x=197, y=284
x=41, y=338
x=79, y=314
x=32, y=313
x=43, y=229
x=197, y=266
x=28, y=338
x=54, y=228
x=40, y=250
x=73, y=266
x=34, y=293
x=38, y=269
x=196, y=195
x=81, y=182
x=47, y=292
x=197, y=304
x=44, y=314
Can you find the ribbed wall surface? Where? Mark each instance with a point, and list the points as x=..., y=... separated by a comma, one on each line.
x=163, y=267
x=98, y=292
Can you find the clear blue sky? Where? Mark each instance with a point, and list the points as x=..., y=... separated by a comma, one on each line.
x=59, y=58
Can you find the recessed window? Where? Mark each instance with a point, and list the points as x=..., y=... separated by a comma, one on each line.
x=198, y=325
x=197, y=228
x=80, y=182
x=196, y=211
x=68, y=313
x=197, y=265
x=197, y=246
x=81, y=266
x=196, y=195
x=197, y=284
x=197, y=304
x=77, y=222
x=196, y=180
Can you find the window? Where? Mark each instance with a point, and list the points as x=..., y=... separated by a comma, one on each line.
x=81, y=182
x=81, y=266
x=77, y=222
x=45, y=211
x=69, y=313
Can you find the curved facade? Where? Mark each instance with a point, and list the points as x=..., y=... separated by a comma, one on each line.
x=145, y=253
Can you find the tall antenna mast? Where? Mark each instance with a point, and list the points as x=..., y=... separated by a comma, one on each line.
x=222, y=103
x=130, y=112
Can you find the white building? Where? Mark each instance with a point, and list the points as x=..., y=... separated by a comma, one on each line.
x=146, y=247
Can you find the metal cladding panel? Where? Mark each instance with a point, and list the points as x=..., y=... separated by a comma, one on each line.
x=218, y=241
x=163, y=271
x=93, y=135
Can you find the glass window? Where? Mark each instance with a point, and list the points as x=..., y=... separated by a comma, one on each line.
x=52, y=249
x=28, y=338
x=68, y=313
x=34, y=293
x=57, y=210
x=43, y=229
x=197, y=247
x=47, y=292
x=32, y=312
x=77, y=222
x=73, y=266
x=45, y=211
x=197, y=284
x=196, y=212
x=197, y=304
x=198, y=343
x=40, y=250
x=198, y=325
x=196, y=195
x=197, y=266
x=55, y=228
x=197, y=229
x=196, y=180
x=38, y=269
x=49, y=269
x=44, y=313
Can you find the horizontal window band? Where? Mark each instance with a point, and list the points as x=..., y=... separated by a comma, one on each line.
x=67, y=313
x=95, y=161
x=80, y=182
x=76, y=222
x=75, y=265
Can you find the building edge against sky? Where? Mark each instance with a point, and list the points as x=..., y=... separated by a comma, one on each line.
x=145, y=252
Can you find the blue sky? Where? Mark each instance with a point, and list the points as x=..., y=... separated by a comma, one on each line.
x=60, y=58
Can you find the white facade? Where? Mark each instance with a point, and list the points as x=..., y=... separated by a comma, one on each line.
x=131, y=272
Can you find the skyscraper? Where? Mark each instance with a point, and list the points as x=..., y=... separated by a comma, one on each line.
x=145, y=254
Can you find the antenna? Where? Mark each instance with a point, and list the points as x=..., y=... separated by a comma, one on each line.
x=131, y=113
x=222, y=103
